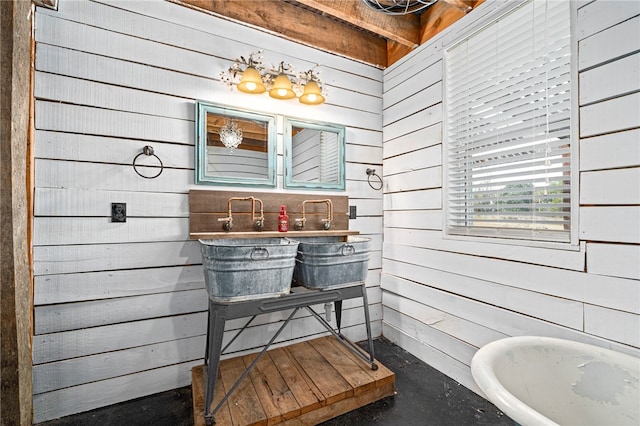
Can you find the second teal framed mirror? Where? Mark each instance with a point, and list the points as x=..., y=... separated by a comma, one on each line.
x=314, y=155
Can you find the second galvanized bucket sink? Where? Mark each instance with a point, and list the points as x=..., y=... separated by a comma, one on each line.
x=327, y=262
x=245, y=269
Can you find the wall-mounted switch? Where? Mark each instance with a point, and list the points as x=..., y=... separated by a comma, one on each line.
x=118, y=212
x=352, y=212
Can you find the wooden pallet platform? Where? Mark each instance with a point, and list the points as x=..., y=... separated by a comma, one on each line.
x=302, y=384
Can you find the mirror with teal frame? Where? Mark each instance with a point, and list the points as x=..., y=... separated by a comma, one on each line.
x=314, y=155
x=252, y=162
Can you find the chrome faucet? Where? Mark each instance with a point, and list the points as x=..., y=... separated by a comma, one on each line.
x=258, y=223
x=326, y=222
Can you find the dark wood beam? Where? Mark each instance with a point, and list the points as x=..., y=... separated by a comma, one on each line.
x=395, y=51
x=301, y=25
x=403, y=29
x=16, y=389
x=345, y=27
x=49, y=4
x=463, y=5
x=442, y=14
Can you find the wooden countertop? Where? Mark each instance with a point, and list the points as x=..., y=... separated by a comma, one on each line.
x=271, y=234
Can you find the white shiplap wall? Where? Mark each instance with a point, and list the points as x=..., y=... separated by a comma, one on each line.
x=120, y=308
x=444, y=298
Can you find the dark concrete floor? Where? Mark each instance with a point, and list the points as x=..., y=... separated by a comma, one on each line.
x=423, y=397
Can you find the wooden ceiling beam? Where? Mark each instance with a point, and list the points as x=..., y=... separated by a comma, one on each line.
x=395, y=51
x=49, y=4
x=302, y=25
x=463, y=5
x=344, y=27
x=403, y=29
x=442, y=14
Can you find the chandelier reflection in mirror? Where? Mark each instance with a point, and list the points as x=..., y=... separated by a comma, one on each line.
x=252, y=76
x=230, y=135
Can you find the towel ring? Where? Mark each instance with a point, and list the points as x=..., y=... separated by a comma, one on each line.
x=148, y=151
x=372, y=172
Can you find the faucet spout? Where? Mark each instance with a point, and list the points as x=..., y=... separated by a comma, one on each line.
x=326, y=222
x=257, y=222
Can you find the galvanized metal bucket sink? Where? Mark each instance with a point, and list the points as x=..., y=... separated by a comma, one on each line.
x=245, y=269
x=328, y=262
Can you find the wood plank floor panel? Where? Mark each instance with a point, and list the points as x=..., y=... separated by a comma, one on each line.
x=224, y=414
x=275, y=395
x=244, y=403
x=305, y=391
x=328, y=412
x=382, y=376
x=301, y=384
x=198, y=378
x=197, y=392
x=349, y=368
x=332, y=385
x=257, y=379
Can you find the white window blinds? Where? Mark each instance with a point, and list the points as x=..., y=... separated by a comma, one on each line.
x=508, y=127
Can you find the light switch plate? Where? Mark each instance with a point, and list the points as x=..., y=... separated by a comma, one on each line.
x=352, y=212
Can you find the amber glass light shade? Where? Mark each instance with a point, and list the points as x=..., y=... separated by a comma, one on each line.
x=251, y=81
x=282, y=88
x=312, y=94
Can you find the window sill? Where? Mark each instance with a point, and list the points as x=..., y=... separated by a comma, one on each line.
x=560, y=255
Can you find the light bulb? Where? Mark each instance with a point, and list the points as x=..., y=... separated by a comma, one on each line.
x=281, y=88
x=312, y=94
x=251, y=81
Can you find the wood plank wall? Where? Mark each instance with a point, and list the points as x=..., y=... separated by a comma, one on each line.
x=443, y=299
x=120, y=307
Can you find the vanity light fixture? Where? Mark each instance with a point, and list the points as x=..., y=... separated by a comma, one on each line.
x=281, y=88
x=246, y=74
x=311, y=95
x=251, y=81
x=230, y=135
x=253, y=77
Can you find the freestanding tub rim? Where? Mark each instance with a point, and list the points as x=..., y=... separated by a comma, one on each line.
x=487, y=361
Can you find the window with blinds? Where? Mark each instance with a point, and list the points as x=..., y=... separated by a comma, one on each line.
x=508, y=103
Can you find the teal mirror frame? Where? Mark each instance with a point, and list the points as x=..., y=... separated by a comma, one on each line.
x=290, y=161
x=201, y=175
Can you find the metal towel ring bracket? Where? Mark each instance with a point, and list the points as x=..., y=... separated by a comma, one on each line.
x=372, y=172
x=148, y=151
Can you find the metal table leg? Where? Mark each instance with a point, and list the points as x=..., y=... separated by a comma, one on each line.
x=365, y=355
x=217, y=319
x=338, y=308
x=219, y=313
x=367, y=322
x=250, y=367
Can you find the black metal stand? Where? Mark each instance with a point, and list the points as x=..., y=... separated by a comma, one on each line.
x=299, y=297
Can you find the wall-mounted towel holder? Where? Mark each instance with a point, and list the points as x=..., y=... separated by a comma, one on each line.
x=372, y=172
x=148, y=151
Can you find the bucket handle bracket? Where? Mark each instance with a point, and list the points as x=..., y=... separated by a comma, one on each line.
x=347, y=250
x=259, y=253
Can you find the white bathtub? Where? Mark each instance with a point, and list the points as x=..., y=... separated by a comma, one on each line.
x=547, y=381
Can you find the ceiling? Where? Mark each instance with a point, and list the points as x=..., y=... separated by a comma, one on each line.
x=345, y=27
